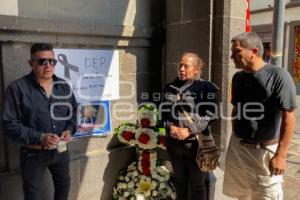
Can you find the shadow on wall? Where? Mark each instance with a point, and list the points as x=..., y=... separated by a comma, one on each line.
x=146, y=64
x=119, y=157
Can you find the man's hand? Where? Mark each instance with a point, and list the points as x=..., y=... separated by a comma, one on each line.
x=183, y=133
x=49, y=140
x=277, y=165
x=66, y=136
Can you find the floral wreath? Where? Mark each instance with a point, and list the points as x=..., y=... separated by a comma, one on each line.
x=146, y=138
x=147, y=116
x=146, y=177
x=147, y=162
x=126, y=133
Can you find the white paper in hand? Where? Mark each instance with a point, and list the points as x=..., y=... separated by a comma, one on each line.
x=61, y=146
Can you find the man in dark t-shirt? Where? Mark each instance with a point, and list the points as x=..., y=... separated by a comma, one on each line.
x=263, y=99
x=267, y=92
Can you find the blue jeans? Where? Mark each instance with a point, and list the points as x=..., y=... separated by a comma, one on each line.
x=186, y=173
x=33, y=167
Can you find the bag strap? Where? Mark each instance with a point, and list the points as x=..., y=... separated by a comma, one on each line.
x=187, y=116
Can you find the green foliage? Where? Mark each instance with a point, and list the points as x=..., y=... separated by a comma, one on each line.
x=128, y=124
x=149, y=107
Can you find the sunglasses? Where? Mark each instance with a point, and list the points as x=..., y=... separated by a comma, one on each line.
x=45, y=61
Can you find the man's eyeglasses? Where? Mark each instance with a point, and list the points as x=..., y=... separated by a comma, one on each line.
x=45, y=61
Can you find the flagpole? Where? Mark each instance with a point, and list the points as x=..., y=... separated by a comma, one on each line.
x=248, y=26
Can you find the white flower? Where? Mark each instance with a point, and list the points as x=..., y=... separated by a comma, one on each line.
x=135, y=173
x=153, y=159
x=161, y=174
x=147, y=193
x=132, y=166
x=123, y=186
x=126, y=194
x=150, y=118
x=119, y=186
x=162, y=185
x=121, y=178
x=129, y=131
x=144, y=187
x=154, y=193
x=130, y=185
x=154, y=184
x=127, y=179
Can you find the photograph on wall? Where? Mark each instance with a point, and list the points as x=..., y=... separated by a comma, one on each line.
x=93, y=119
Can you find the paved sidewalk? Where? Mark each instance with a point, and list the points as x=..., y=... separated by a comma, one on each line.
x=291, y=177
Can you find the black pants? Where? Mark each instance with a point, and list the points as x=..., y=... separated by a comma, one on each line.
x=33, y=166
x=186, y=171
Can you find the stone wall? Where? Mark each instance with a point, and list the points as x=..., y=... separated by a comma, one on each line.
x=206, y=27
x=189, y=25
x=229, y=20
x=133, y=28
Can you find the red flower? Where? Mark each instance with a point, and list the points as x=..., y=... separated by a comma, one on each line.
x=145, y=167
x=145, y=123
x=144, y=138
x=145, y=155
x=145, y=163
x=128, y=135
x=162, y=140
x=146, y=172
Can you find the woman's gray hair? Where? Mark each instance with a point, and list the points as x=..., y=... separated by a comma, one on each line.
x=250, y=40
x=198, y=62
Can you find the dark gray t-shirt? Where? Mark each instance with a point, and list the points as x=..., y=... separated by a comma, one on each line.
x=259, y=97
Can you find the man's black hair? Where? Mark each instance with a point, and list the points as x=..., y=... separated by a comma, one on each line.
x=40, y=47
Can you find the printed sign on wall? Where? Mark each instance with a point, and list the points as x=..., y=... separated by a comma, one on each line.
x=94, y=74
x=94, y=77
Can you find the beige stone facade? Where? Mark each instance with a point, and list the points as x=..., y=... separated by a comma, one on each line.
x=150, y=36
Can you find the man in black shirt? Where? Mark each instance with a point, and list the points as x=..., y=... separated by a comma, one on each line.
x=263, y=99
x=40, y=113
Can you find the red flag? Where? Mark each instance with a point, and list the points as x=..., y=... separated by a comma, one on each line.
x=248, y=27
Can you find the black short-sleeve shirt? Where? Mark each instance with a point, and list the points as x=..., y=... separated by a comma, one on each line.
x=259, y=98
